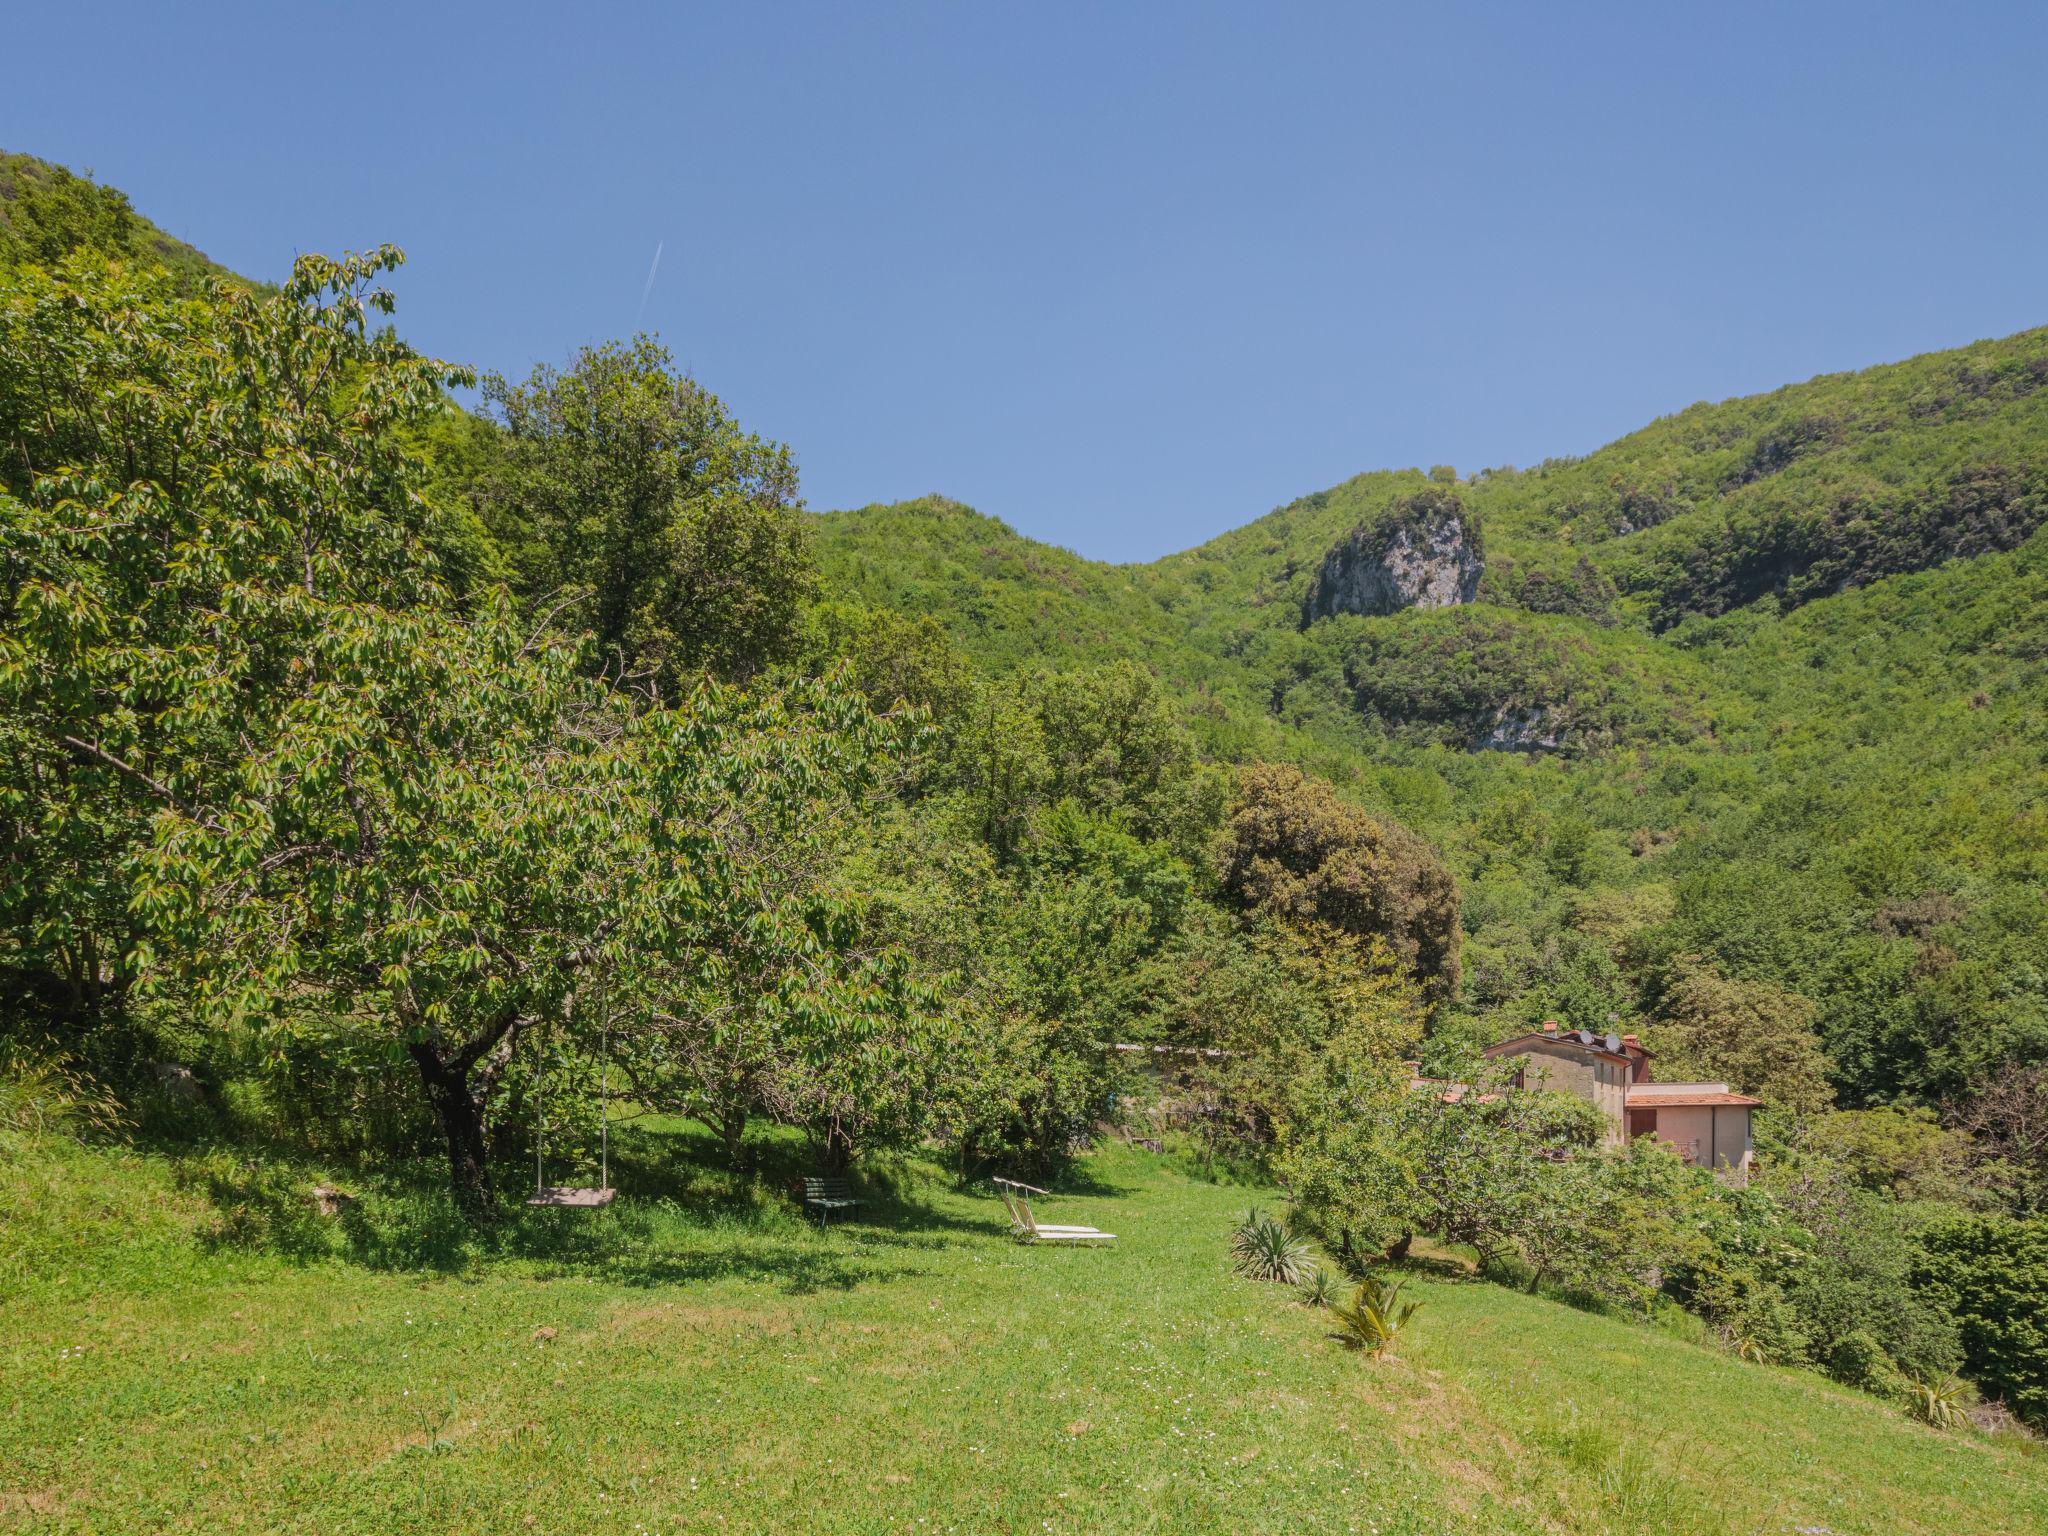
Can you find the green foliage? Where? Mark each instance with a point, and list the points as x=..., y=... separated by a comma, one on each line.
x=768, y=989
x=221, y=508
x=1939, y=1401
x=1830, y=799
x=1261, y=1248
x=1321, y=1287
x=1250, y=1005
x=1757, y=1038
x=891, y=658
x=1991, y=1274
x=1491, y=679
x=1292, y=849
x=1373, y=1160
x=47, y=213
x=1904, y=1152
x=1858, y=1359
x=259, y=746
x=1112, y=742
x=1373, y=1318
x=2007, y=1123
x=44, y=1094
x=627, y=484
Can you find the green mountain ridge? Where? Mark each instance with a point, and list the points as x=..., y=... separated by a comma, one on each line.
x=1766, y=670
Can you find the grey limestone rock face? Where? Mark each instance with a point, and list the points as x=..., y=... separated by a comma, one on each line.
x=1522, y=730
x=1430, y=559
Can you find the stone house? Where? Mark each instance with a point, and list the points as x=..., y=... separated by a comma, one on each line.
x=1708, y=1125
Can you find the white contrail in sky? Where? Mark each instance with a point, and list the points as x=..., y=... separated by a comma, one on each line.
x=652, y=267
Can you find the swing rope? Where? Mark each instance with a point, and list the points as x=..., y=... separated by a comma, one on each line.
x=567, y=1195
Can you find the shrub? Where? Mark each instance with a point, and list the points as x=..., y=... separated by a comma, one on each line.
x=42, y=1093
x=1263, y=1249
x=1942, y=1401
x=1860, y=1361
x=1992, y=1273
x=1374, y=1317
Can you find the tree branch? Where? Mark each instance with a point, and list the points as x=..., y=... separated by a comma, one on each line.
x=154, y=785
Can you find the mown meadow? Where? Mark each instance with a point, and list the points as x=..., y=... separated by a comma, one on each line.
x=186, y=1352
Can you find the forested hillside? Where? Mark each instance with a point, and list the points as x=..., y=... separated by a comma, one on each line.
x=1761, y=683
x=399, y=789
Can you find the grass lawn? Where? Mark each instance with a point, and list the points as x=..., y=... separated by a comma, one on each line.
x=178, y=1357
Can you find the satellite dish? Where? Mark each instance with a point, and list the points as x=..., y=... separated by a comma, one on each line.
x=1614, y=1044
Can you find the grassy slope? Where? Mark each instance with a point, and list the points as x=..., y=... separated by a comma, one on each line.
x=726, y=1367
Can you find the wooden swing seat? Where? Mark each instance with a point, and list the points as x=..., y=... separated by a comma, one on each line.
x=571, y=1197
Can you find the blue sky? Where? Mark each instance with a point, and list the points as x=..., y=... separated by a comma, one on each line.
x=1123, y=275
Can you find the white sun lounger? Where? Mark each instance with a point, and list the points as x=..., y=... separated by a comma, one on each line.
x=1029, y=1229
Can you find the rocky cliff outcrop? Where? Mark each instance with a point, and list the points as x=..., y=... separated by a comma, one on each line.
x=1530, y=729
x=1423, y=553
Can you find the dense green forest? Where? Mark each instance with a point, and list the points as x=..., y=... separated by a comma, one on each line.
x=378, y=765
x=1763, y=684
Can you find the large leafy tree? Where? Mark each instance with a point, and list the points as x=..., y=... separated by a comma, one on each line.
x=624, y=483
x=767, y=989
x=1991, y=1273
x=251, y=738
x=1758, y=1037
x=310, y=779
x=1291, y=849
x=1114, y=743
x=437, y=838
x=195, y=494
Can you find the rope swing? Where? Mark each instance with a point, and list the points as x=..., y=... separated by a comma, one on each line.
x=576, y=1197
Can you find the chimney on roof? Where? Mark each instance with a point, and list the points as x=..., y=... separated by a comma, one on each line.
x=1550, y=1026
x=1632, y=1040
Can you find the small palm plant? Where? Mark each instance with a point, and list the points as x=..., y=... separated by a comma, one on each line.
x=1938, y=1400
x=1321, y=1288
x=1374, y=1317
x=1264, y=1249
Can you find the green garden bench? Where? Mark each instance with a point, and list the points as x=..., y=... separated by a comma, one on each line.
x=828, y=1195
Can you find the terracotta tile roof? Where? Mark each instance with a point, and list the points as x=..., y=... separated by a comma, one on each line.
x=1457, y=1091
x=1646, y=1096
x=1578, y=1040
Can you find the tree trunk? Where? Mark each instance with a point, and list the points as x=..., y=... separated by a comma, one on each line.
x=731, y=1123
x=461, y=1119
x=838, y=1150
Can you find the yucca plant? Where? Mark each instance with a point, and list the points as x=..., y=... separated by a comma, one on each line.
x=1374, y=1317
x=1753, y=1350
x=1264, y=1249
x=1321, y=1288
x=1938, y=1400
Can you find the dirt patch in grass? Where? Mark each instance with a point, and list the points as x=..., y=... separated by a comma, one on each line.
x=31, y=1501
